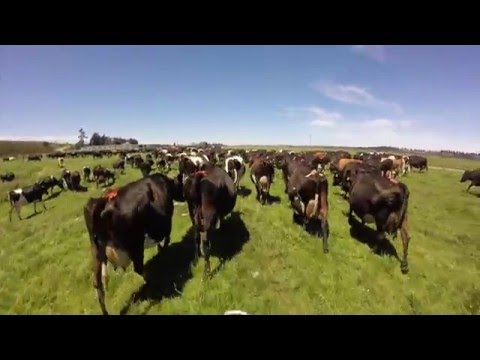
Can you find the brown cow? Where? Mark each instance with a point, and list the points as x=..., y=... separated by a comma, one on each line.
x=308, y=195
x=262, y=173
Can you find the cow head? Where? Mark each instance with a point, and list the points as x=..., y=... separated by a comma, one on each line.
x=465, y=176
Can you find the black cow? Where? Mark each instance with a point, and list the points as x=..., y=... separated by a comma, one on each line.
x=211, y=195
x=119, y=165
x=308, y=195
x=86, y=173
x=9, y=176
x=50, y=182
x=123, y=222
x=418, y=162
x=262, y=174
x=473, y=176
x=145, y=168
x=374, y=198
x=75, y=179
x=20, y=197
x=34, y=157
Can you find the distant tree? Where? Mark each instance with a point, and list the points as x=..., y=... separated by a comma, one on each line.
x=82, y=137
x=46, y=143
x=133, y=141
x=96, y=139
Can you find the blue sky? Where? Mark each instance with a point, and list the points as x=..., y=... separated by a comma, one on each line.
x=412, y=96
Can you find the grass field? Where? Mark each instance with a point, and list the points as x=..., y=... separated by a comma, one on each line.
x=272, y=266
x=16, y=148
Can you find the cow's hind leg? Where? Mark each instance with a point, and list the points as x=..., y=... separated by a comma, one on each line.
x=324, y=230
x=469, y=186
x=405, y=240
x=205, y=249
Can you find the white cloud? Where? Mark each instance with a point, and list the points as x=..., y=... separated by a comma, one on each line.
x=322, y=117
x=354, y=94
x=375, y=52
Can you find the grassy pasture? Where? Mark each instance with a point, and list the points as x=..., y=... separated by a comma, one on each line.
x=272, y=266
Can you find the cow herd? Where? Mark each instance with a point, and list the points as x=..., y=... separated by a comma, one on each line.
x=125, y=220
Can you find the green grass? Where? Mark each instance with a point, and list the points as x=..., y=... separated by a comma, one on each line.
x=46, y=260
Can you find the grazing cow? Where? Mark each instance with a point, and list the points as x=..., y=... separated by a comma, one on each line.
x=86, y=173
x=61, y=160
x=211, y=195
x=119, y=165
x=373, y=198
x=125, y=221
x=262, y=173
x=235, y=167
x=34, y=157
x=9, y=176
x=473, y=176
x=308, y=195
x=145, y=168
x=418, y=162
x=49, y=182
x=19, y=197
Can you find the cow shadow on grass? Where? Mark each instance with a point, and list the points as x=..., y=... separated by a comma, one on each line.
x=53, y=195
x=229, y=240
x=243, y=191
x=167, y=272
x=368, y=236
x=272, y=199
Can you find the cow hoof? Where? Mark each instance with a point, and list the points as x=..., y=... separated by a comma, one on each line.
x=404, y=268
x=326, y=251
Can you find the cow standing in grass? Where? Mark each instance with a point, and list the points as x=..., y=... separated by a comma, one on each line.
x=473, y=176
x=23, y=196
x=308, y=195
x=261, y=174
x=373, y=198
x=211, y=195
x=125, y=221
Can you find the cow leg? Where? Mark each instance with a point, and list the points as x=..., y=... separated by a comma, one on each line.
x=324, y=229
x=405, y=241
x=469, y=186
x=350, y=216
x=35, y=207
x=100, y=277
x=205, y=248
x=43, y=203
x=138, y=261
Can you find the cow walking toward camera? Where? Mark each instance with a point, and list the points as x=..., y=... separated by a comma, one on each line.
x=211, y=195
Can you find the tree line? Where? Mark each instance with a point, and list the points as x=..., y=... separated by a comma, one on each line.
x=97, y=139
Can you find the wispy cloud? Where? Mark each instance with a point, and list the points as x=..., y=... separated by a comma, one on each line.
x=322, y=117
x=375, y=52
x=354, y=94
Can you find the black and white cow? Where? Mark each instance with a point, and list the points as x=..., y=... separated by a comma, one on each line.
x=9, y=176
x=27, y=195
x=235, y=167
